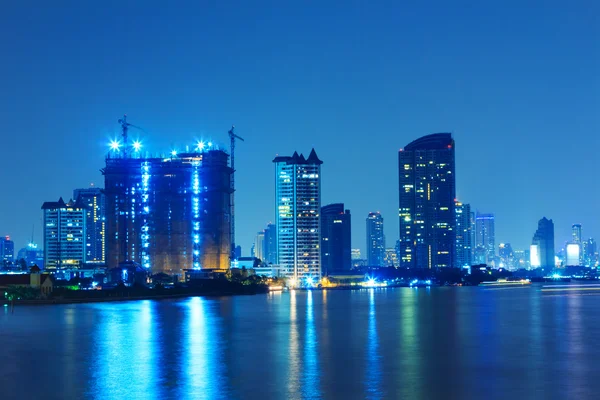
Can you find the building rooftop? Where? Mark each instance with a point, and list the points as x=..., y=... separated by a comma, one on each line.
x=435, y=141
x=51, y=205
x=299, y=158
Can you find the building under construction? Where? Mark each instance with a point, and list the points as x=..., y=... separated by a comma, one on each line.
x=168, y=214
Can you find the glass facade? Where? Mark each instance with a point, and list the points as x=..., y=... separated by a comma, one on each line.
x=426, y=207
x=464, y=246
x=298, y=205
x=95, y=220
x=375, y=240
x=64, y=234
x=336, y=234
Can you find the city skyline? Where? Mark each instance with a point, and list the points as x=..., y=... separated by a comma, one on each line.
x=392, y=100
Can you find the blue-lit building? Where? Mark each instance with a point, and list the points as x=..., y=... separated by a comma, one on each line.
x=168, y=214
x=95, y=239
x=336, y=237
x=298, y=205
x=375, y=240
x=426, y=205
x=7, y=250
x=464, y=246
x=64, y=235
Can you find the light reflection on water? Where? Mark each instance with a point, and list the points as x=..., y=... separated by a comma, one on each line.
x=446, y=343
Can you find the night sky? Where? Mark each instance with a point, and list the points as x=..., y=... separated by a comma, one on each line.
x=516, y=82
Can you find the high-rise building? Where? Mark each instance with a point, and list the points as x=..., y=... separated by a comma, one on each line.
x=390, y=258
x=169, y=214
x=32, y=255
x=485, y=236
x=335, y=239
x=507, y=257
x=95, y=224
x=7, y=250
x=64, y=234
x=576, y=233
x=426, y=208
x=464, y=247
x=572, y=254
x=259, y=245
x=375, y=240
x=542, y=245
x=590, y=254
x=270, y=244
x=298, y=204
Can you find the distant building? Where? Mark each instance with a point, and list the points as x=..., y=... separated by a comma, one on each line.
x=270, y=244
x=336, y=235
x=572, y=254
x=464, y=246
x=169, y=214
x=95, y=235
x=486, y=236
x=590, y=252
x=64, y=234
x=355, y=254
x=32, y=255
x=7, y=249
x=426, y=207
x=576, y=233
x=237, y=252
x=298, y=204
x=391, y=258
x=507, y=257
x=259, y=246
x=375, y=240
x=542, y=246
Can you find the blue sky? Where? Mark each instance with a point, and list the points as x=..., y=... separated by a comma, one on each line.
x=516, y=82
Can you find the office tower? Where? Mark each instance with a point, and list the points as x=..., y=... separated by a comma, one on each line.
x=168, y=214
x=572, y=254
x=507, y=257
x=375, y=240
x=542, y=245
x=298, y=204
x=464, y=247
x=7, y=250
x=335, y=239
x=237, y=252
x=259, y=246
x=270, y=244
x=485, y=236
x=64, y=234
x=576, y=233
x=390, y=258
x=32, y=255
x=589, y=252
x=426, y=207
x=521, y=259
x=95, y=223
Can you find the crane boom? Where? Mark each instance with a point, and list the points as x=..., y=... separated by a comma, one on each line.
x=233, y=136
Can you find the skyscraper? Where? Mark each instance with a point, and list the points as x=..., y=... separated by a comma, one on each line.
x=485, y=236
x=464, y=247
x=259, y=245
x=576, y=233
x=542, y=245
x=7, y=249
x=426, y=208
x=507, y=257
x=298, y=204
x=169, y=214
x=270, y=244
x=335, y=239
x=375, y=240
x=95, y=223
x=64, y=234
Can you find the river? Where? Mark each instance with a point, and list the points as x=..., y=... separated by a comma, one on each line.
x=400, y=343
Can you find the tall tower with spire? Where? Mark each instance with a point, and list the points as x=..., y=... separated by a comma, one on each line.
x=298, y=205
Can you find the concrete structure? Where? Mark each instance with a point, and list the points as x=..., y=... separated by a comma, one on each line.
x=64, y=234
x=336, y=236
x=426, y=207
x=169, y=214
x=270, y=244
x=298, y=205
x=95, y=237
x=34, y=279
x=375, y=240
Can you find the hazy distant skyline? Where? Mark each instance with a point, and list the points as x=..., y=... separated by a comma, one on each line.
x=516, y=82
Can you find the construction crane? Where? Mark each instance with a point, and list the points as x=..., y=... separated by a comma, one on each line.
x=233, y=137
x=125, y=126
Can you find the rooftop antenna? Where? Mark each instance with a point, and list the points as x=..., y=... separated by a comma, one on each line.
x=233, y=137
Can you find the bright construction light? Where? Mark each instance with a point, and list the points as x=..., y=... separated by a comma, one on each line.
x=200, y=146
x=174, y=152
x=137, y=145
x=210, y=144
x=115, y=145
x=310, y=281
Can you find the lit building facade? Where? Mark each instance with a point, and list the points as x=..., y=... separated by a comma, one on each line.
x=507, y=257
x=464, y=246
x=259, y=246
x=298, y=204
x=336, y=236
x=64, y=234
x=270, y=244
x=485, y=236
x=426, y=207
x=7, y=249
x=542, y=245
x=375, y=240
x=95, y=223
x=391, y=258
x=169, y=214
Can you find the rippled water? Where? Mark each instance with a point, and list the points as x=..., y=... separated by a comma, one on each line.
x=442, y=343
